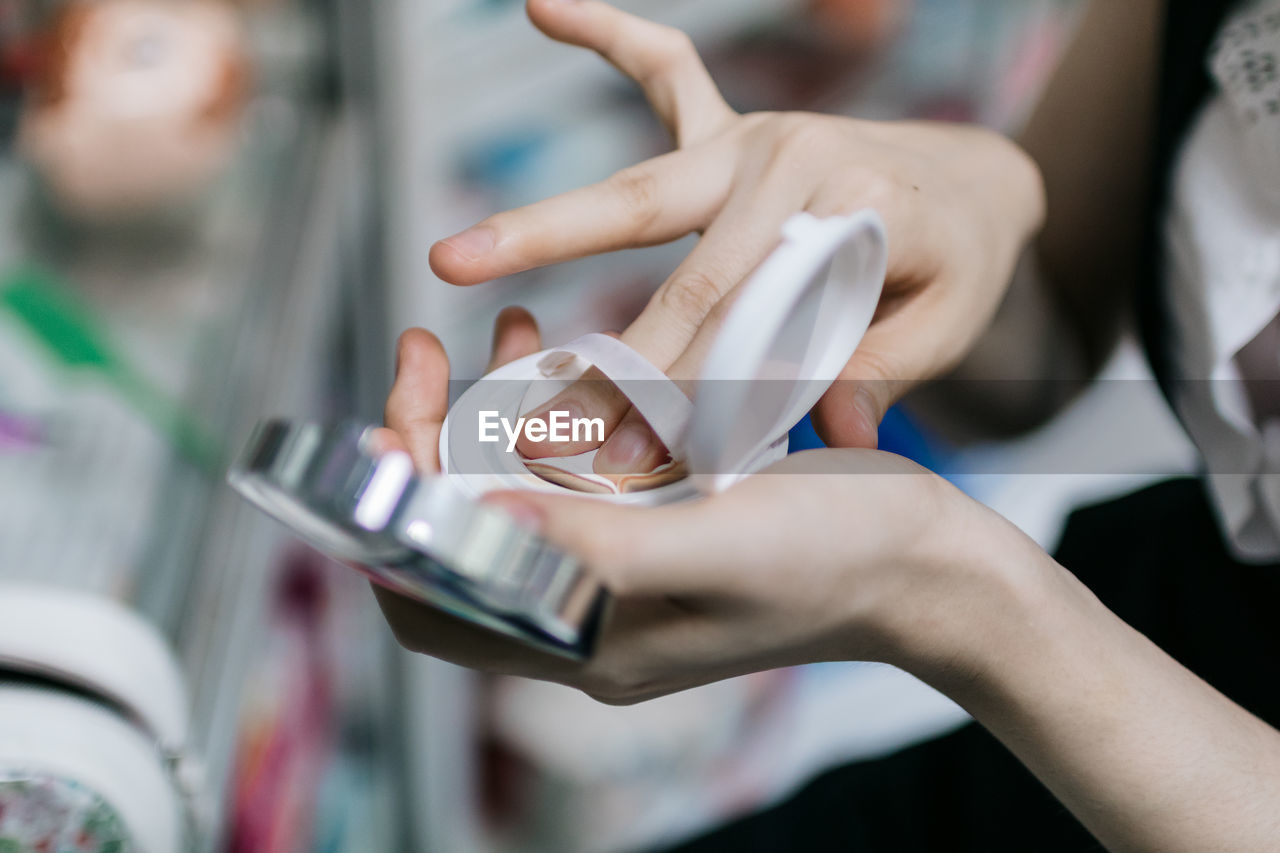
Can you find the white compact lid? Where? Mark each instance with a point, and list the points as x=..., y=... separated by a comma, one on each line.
x=792, y=328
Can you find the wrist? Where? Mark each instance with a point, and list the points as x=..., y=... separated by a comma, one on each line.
x=972, y=582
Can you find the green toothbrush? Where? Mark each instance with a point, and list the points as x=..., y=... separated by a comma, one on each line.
x=62, y=322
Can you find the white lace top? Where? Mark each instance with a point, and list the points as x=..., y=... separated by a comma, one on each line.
x=1223, y=245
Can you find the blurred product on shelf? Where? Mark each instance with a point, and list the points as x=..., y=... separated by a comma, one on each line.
x=71, y=333
x=628, y=777
x=17, y=61
x=20, y=433
x=67, y=445
x=858, y=25
x=301, y=778
x=93, y=728
x=47, y=813
x=183, y=193
x=136, y=103
x=961, y=60
x=289, y=724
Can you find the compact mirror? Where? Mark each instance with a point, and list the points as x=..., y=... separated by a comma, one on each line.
x=419, y=536
x=793, y=328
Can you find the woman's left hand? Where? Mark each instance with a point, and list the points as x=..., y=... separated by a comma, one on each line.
x=827, y=555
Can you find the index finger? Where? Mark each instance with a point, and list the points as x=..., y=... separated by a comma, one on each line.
x=654, y=202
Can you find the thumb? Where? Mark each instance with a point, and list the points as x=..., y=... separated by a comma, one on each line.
x=634, y=551
x=850, y=412
x=908, y=346
x=419, y=398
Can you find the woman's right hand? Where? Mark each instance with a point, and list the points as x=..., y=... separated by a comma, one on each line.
x=960, y=203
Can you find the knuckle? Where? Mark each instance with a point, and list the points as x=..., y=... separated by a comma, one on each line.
x=719, y=312
x=858, y=185
x=763, y=124
x=691, y=295
x=637, y=191
x=879, y=372
x=802, y=138
x=871, y=186
x=672, y=49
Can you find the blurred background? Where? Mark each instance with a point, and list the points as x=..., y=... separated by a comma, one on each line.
x=213, y=211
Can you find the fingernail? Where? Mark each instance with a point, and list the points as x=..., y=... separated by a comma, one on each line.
x=471, y=243
x=625, y=450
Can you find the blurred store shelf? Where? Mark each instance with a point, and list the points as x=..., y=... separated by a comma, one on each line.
x=230, y=306
x=485, y=65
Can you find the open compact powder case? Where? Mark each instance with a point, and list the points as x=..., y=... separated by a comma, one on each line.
x=791, y=329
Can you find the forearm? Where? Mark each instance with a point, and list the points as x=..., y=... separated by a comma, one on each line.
x=1090, y=135
x=1143, y=752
